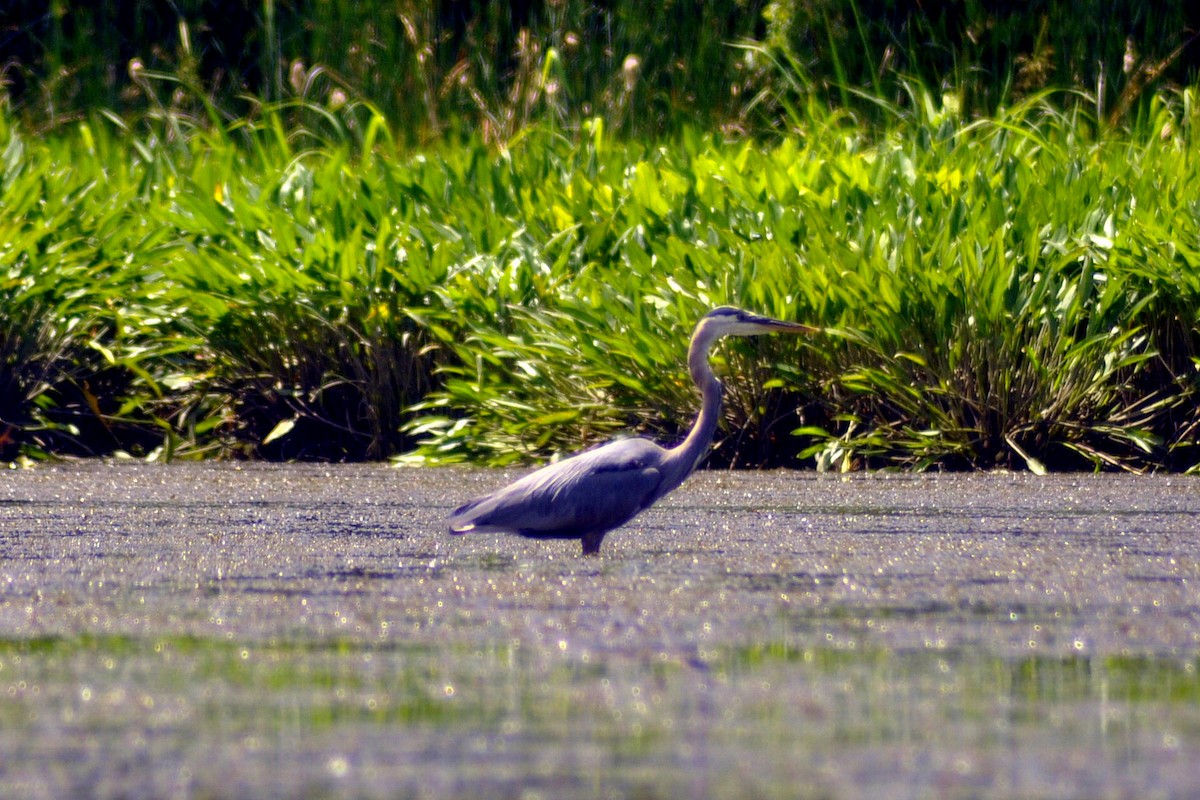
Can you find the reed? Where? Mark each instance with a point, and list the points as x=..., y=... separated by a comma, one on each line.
x=648, y=69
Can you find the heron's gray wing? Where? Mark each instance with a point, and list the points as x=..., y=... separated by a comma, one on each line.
x=594, y=491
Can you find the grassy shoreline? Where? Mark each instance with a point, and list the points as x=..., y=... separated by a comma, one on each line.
x=1021, y=291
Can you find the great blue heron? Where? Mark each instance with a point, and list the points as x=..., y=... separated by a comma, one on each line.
x=587, y=495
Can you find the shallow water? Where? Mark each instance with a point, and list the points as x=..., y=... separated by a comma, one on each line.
x=305, y=631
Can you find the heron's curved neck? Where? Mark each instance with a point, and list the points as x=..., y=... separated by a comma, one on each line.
x=687, y=455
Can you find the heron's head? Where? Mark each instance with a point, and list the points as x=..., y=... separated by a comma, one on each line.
x=730, y=321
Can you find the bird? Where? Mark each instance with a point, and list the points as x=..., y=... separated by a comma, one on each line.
x=592, y=492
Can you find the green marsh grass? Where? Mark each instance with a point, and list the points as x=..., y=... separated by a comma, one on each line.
x=985, y=307
x=1019, y=291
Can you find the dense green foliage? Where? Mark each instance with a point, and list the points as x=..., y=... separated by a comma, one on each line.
x=1017, y=291
x=455, y=230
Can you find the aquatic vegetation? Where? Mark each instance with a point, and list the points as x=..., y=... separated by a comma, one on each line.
x=1018, y=291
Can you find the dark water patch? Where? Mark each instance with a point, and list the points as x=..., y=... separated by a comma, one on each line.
x=1171, y=579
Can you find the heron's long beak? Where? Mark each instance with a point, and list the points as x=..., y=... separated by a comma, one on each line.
x=768, y=325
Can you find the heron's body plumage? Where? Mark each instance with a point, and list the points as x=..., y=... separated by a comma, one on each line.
x=590, y=493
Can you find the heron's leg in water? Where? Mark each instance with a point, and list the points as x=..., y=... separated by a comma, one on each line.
x=591, y=543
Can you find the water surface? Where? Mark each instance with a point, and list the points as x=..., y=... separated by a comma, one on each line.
x=310, y=631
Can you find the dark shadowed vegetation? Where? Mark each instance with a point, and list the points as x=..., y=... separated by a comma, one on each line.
x=645, y=68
